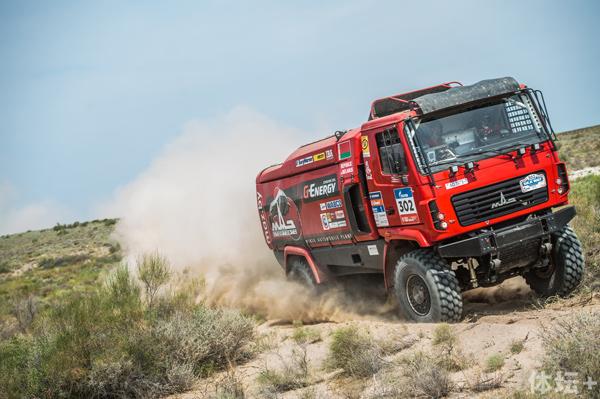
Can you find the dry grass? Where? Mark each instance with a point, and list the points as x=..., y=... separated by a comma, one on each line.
x=425, y=377
x=292, y=373
x=572, y=345
x=494, y=363
x=306, y=335
x=355, y=352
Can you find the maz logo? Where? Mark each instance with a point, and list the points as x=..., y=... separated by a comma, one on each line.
x=503, y=201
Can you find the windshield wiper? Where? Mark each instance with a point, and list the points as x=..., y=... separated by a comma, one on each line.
x=500, y=151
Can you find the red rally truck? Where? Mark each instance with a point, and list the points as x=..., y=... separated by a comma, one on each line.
x=442, y=190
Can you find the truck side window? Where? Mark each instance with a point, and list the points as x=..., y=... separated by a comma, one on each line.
x=391, y=153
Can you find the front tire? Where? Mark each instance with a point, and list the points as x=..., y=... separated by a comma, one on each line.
x=565, y=271
x=426, y=288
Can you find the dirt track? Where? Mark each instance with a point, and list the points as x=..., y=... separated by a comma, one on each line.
x=493, y=319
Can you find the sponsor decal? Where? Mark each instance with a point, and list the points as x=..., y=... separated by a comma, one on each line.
x=368, y=170
x=263, y=218
x=456, y=183
x=405, y=202
x=333, y=220
x=364, y=144
x=378, y=208
x=329, y=238
x=372, y=250
x=346, y=168
x=329, y=154
x=532, y=182
x=331, y=204
x=344, y=150
x=319, y=157
x=304, y=161
x=503, y=201
x=284, y=216
x=320, y=188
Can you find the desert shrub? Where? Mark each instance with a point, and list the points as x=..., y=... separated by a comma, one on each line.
x=425, y=377
x=443, y=335
x=494, y=363
x=48, y=263
x=305, y=335
x=355, y=352
x=5, y=267
x=585, y=195
x=153, y=272
x=24, y=310
x=229, y=387
x=108, y=343
x=516, y=346
x=572, y=345
x=293, y=373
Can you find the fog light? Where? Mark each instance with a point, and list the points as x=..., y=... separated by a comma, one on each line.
x=441, y=216
x=453, y=169
x=561, y=190
x=444, y=225
x=535, y=147
x=559, y=181
x=521, y=151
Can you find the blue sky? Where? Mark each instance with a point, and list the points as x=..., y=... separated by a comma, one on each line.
x=91, y=92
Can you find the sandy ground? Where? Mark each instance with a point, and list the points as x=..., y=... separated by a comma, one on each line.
x=592, y=170
x=493, y=319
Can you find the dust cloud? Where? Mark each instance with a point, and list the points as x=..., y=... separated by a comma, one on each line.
x=196, y=205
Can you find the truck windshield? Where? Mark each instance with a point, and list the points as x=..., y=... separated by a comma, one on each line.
x=477, y=132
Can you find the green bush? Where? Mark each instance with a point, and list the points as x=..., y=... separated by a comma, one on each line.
x=109, y=343
x=153, y=272
x=585, y=195
x=355, y=352
x=494, y=363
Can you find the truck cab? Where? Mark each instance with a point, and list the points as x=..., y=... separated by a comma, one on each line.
x=442, y=190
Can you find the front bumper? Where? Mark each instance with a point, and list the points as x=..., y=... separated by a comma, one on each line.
x=493, y=241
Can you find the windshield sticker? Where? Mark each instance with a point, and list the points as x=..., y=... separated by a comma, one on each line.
x=344, y=150
x=406, y=205
x=378, y=207
x=364, y=142
x=456, y=183
x=532, y=182
x=304, y=161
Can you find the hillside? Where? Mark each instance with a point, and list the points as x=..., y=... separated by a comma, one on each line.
x=75, y=324
x=39, y=268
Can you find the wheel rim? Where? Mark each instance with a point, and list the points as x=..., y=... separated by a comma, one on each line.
x=417, y=294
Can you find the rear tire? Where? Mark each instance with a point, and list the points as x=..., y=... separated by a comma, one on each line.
x=566, y=267
x=301, y=273
x=426, y=288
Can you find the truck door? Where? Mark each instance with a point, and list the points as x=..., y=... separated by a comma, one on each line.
x=390, y=195
x=353, y=184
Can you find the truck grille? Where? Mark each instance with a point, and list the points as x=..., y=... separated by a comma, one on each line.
x=496, y=200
